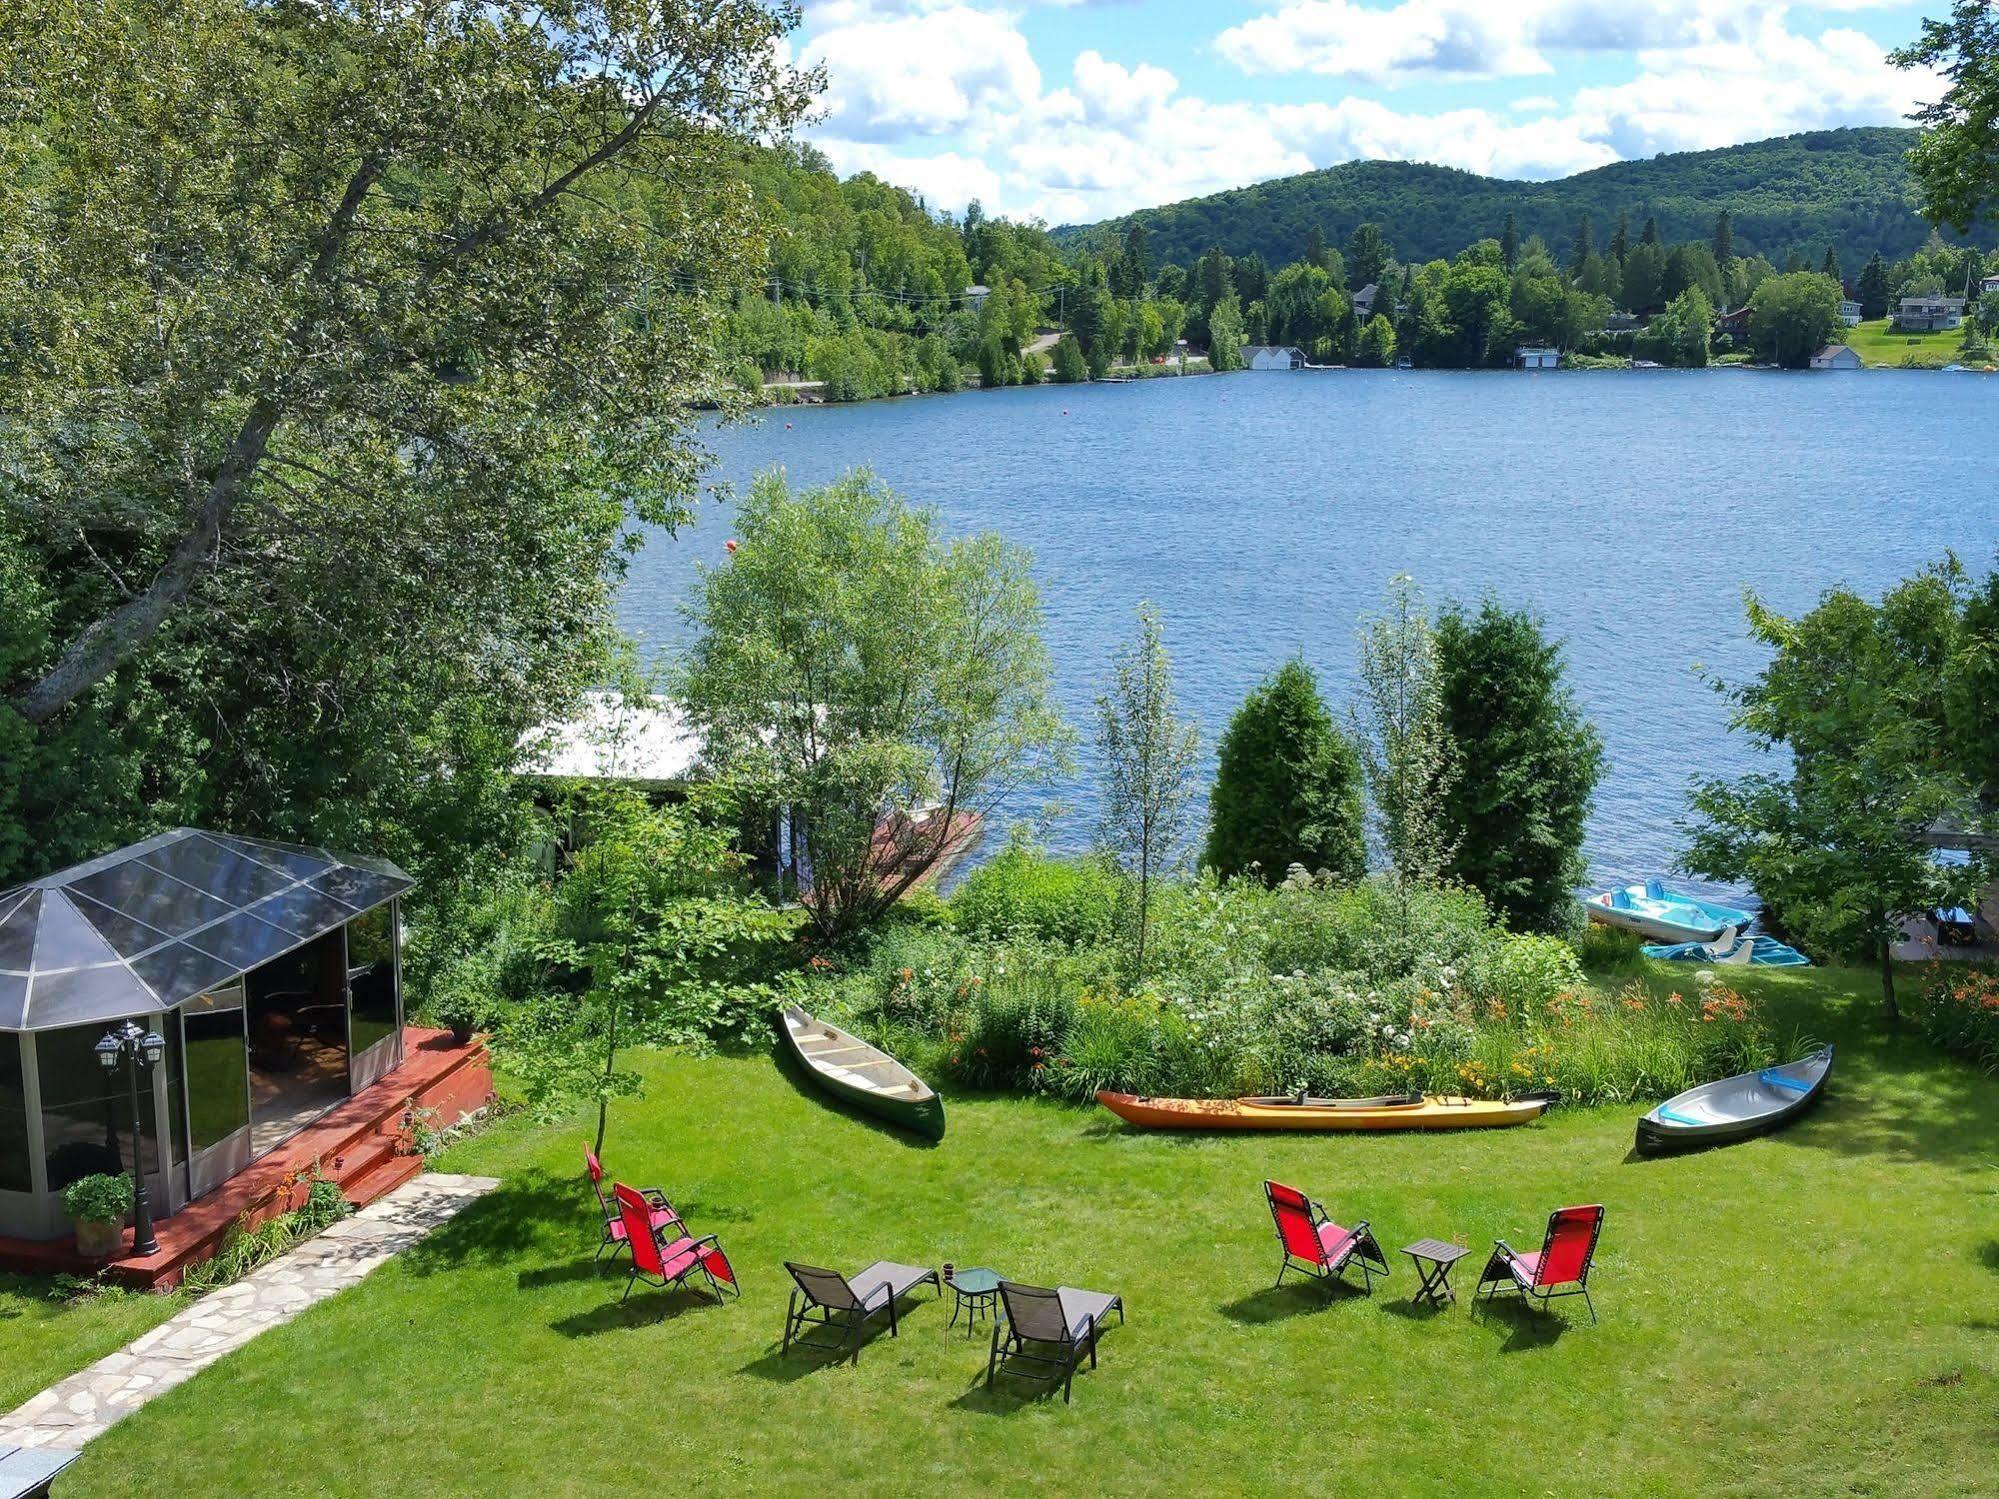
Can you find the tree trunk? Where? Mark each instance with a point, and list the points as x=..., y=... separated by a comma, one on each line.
x=604, y=1094
x=1894, y=1012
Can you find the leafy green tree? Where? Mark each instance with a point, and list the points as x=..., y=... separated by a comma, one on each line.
x=1681, y=335
x=1972, y=695
x=1404, y=741
x=1873, y=288
x=1149, y=753
x=1724, y=238
x=1376, y=345
x=1137, y=260
x=1509, y=242
x=853, y=665
x=1069, y=364
x=1225, y=335
x=655, y=916
x=1793, y=316
x=1316, y=247
x=1475, y=293
x=1649, y=235
x=1368, y=255
x=312, y=306
x=1582, y=244
x=1288, y=786
x=1954, y=163
x=1644, y=281
x=1854, y=697
x=1527, y=761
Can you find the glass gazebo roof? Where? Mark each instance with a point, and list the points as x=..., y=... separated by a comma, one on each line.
x=162, y=921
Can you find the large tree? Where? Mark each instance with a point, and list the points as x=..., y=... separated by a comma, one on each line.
x=883, y=684
x=1793, y=316
x=1287, y=786
x=1856, y=698
x=1527, y=765
x=346, y=341
x=1956, y=160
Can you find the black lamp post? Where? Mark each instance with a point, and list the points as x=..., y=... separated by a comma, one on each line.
x=135, y=1047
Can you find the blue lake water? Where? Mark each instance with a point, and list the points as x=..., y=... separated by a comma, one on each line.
x=1264, y=513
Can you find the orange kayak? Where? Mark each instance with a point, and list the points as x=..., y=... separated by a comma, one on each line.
x=1415, y=1111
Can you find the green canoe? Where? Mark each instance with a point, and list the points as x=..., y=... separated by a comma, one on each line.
x=863, y=1075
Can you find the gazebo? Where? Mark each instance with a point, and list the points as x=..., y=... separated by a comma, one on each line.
x=270, y=971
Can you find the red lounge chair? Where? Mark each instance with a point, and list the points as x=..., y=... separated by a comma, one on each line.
x=1315, y=1245
x=668, y=1263
x=658, y=1209
x=1560, y=1268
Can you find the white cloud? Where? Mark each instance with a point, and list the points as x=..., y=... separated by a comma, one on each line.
x=1425, y=40
x=929, y=70
x=946, y=98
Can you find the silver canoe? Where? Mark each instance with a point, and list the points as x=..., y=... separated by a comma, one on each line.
x=1737, y=1107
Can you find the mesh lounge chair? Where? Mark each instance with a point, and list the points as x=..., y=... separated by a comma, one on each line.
x=1051, y=1329
x=826, y=1298
x=668, y=1263
x=1560, y=1268
x=1314, y=1245
x=658, y=1209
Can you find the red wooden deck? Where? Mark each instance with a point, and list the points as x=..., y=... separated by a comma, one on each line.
x=359, y=1144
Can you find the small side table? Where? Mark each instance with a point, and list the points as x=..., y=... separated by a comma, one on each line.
x=974, y=1291
x=1433, y=1259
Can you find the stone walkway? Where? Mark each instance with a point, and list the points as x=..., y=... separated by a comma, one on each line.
x=71, y=1412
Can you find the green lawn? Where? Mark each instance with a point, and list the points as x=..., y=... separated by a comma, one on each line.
x=1812, y=1313
x=42, y=1339
x=1879, y=344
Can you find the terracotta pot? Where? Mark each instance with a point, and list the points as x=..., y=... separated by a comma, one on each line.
x=99, y=1241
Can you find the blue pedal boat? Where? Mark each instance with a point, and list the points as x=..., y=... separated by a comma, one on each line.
x=1664, y=915
x=1758, y=951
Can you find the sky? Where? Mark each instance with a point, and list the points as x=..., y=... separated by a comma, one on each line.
x=1077, y=110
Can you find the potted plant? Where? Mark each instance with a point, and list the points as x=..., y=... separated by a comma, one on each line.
x=461, y=1017
x=98, y=1205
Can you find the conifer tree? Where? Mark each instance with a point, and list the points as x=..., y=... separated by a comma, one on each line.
x=1287, y=786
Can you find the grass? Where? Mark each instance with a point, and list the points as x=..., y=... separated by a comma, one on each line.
x=43, y=1339
x=1877, y=343
x=1815, y=1312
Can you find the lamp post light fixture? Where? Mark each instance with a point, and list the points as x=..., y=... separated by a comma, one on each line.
x=134, y=1047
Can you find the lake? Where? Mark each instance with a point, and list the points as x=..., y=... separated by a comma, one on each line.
x=1264, y=513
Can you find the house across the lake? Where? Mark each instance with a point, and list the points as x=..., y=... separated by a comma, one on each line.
x=1929, y=314
x=1530, y=357
x=1364, y=300
x=1735, y=323
x=1274, y=357
x=268, y=978
x=1849, y=312
x=1836, y=357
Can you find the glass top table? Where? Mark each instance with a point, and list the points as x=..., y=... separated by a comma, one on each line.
x=975, y=1291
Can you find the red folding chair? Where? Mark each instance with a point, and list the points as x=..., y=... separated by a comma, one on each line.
x=658, y=1210
x=670, y=1263
x=1560, y=1268
x=1314, y=1245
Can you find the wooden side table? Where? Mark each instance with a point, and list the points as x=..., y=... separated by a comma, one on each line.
x=1433, y=1259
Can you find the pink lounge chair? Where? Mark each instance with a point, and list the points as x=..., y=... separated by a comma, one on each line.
x=1559, y=1268
x=668, y=1263
x=1316, y=1246
x=658, y=1209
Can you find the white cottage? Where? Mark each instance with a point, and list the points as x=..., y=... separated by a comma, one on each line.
x=1836, y=357
x=1527, y=358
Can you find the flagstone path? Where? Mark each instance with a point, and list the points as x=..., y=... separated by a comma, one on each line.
x=71, y=1412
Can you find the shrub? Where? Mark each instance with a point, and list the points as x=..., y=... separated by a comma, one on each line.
x=1527, y=764
x=1022, y=890
x=1287, y=786
x=101, y=1198
x=1958, y=1010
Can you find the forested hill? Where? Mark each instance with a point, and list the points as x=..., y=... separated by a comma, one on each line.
x=1849, y=188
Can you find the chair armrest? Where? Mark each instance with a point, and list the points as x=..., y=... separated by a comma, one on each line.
x=1089, y=1328
x=1504, y=1249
